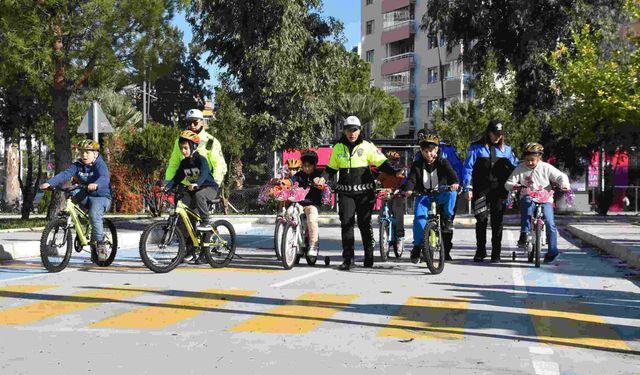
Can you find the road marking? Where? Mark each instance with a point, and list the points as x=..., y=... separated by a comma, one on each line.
x=542, y=350
x=229, y=269
x=298, y=316
x=565, y=322
x=546, y=368
x=429, y=318
x=174, y=310
x=298, y=278
x=10, y=291
x=59, y=305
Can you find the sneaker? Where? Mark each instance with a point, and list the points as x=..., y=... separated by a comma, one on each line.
x=415, y=255
x=447, y=226
x=101, y=250
x=346, y=264
x=368, y=260
x=548, y=258
x=495, y=259
x=522, y=241
x=479, y=257
x=313, y=250
x=400, y=246
x=190, y=257
x=447, y=257
x=204, y=226
x=202, y=259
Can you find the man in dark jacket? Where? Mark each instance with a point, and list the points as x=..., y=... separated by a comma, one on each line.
x=427, y=174
x=90, y=170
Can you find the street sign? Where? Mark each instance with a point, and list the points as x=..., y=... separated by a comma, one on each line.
x=86, y=126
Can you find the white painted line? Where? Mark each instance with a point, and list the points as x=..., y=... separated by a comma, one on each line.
x=520, y=287
x=546, y=368
x=34, y=276
x=298, y=278
x=543, y=350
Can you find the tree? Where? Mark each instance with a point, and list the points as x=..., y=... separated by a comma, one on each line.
x=519, y=33
x=71, y=44
x=287, y=63
x=375, y=109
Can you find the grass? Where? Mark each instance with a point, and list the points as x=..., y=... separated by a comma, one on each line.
x=19, y=223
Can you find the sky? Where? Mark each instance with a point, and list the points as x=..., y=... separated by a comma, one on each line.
x=347, y=11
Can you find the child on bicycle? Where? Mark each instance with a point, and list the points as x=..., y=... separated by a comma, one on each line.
x=309, y=177
x=90, y=170
x=427, y=173
x=195, y=169
x=398, y=206
x=535, y=174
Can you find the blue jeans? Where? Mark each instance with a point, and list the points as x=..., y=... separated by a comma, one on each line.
x=527, y=208
x=97, y=207
x=446, y=203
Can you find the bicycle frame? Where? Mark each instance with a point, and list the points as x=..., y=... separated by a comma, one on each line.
x=537, y=219
x=387, y=215
x=185, y=213
x=73, y=213
x=298, y=220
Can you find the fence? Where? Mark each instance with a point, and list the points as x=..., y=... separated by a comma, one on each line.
x=630, y=200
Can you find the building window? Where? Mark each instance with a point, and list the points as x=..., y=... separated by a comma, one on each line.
x=442, y=42
x=369, y=29
x=369, y=56
x=369, y=2
x=447, y=72
x=432, y=41
x=432, y=75
x=397, y=82
x=391, y=19
x=432, y=105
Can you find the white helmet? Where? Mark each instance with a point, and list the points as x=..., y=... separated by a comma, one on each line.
x=195, y=114
x=352, y=121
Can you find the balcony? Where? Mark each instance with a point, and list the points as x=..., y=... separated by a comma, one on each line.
x=391, y=5
x=399, y=31
x=403, y=92
x=398, y=63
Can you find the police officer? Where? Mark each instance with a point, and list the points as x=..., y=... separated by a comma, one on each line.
x=352, y=156
x=489, y=163
x=448, y=152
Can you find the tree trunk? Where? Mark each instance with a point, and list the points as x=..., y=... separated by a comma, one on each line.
x=61, y=140
x=27, y=185
x=237, y=175
x=11, y=185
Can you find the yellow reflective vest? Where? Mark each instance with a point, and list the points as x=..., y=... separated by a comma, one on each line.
x=354, y=165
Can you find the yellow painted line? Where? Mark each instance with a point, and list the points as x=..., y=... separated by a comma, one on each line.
x=229, y=269
x=6, y=291
x=60, y=305
x=173, y=310
x=563, y=322
x=428, y=318
x=299, y=316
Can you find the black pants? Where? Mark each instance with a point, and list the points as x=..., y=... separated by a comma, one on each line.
x=398, y=207
x=495, y=207
x=362, y=206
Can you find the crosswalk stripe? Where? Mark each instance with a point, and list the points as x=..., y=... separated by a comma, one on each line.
x=15, y=290
x=299, y=316
x=174, y=310
x=563, y=322
x=428, y=318
x=230, y=269
x=59, y=305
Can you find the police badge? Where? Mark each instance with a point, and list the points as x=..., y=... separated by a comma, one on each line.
x=360, y=152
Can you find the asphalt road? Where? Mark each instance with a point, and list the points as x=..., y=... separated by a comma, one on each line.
x=580, y=315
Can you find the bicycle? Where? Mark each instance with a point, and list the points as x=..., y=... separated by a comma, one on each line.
x=163, y=246
x=387, y=221
x=278, y=229
x=57, y=240
x=432, y=250
x=536, y=238
x=295, y=237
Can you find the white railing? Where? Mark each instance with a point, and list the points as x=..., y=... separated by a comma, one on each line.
x=409, y=55
x=400, y=24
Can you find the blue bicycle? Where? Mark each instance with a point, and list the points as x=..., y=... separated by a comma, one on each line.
x=387, y=222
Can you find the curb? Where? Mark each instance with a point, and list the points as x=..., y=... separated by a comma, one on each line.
x=618, y=250
x=126, y=239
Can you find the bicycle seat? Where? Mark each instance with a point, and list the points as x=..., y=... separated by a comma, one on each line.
x=213, y=201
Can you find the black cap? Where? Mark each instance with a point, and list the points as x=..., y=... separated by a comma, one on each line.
x=496, y=127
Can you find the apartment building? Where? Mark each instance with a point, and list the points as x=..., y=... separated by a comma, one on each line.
x=408, y=63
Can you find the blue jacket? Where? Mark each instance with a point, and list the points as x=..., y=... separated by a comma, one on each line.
x=478, y=169
x=96, y=173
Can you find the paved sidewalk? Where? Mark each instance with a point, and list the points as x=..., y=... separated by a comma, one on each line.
x=618, y=239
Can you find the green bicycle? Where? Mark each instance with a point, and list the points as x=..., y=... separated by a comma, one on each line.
x=163, y=246
x=57, y=238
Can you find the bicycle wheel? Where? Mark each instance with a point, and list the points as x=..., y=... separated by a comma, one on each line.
x=434, y=251
x=289, y=247
x=537, y=244
x=398, y=250
x=162, y=247
x=223, y=244
x=277, y=236
x=384, y=240
x=56, y=245
x=110, y=240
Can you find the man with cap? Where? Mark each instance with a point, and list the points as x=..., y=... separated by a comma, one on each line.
x=352, y=156
x=488, y=165
x=208, y=146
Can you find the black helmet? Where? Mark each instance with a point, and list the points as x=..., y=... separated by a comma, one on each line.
x=309, y=156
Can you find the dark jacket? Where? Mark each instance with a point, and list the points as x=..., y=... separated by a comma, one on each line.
x=196, y=170
x=314, y=196
x=486, y=173
x=95, y=173
x=446, y=174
